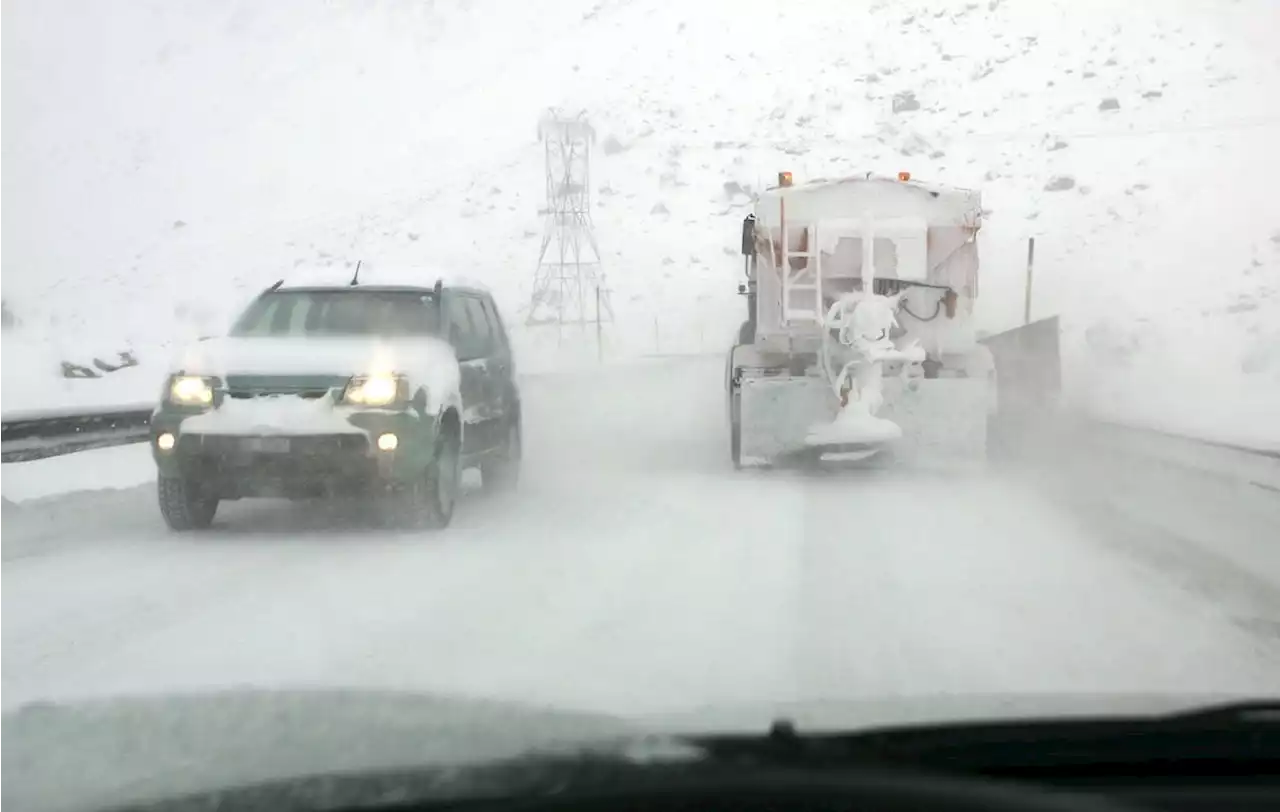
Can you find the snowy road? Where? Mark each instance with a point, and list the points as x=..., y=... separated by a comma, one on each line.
x=634, y=572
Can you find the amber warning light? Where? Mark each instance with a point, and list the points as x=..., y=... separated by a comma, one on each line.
x=784, y=178
x=904, y=176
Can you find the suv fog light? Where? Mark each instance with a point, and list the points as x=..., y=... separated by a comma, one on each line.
x=165, y=442
x=388, y=442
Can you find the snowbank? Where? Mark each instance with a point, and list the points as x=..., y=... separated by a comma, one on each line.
x=119, y=467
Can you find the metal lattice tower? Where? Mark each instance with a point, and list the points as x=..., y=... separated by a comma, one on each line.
x=569, y=273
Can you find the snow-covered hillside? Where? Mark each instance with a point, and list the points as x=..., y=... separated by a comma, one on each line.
x=165, y=159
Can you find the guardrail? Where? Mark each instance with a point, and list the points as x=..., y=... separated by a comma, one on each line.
x=1255, y=466
x=33, y=436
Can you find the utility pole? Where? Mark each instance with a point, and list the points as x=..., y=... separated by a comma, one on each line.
x=1031, y=257
x=599, y=331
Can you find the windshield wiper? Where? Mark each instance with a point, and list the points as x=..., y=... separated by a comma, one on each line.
x=1233, y=736
x=1251, y=711
x=1256, y=711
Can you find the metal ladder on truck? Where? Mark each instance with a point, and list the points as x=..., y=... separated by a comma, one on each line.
x=807, y=279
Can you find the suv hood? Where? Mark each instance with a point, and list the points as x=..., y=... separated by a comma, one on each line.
x=336, y=356
x=99, y=754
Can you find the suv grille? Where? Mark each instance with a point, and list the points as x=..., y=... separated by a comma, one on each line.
x=246, y=394
x=311, y=387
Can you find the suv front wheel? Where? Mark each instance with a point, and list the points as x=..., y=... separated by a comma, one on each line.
x=183, y=503
x=428, y=501
x=443, y=482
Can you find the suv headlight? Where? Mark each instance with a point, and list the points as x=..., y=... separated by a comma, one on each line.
x=376, y=390
x=191, y=390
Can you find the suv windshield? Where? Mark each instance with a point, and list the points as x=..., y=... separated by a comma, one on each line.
x=340, y=312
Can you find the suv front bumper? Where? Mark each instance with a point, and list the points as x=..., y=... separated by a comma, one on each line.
x=296, y=466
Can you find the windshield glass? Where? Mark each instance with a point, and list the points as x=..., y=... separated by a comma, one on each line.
x=859, y=362
x=338, y=313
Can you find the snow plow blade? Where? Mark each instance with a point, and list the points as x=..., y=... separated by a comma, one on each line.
x=943, y=422
x=1028, y=383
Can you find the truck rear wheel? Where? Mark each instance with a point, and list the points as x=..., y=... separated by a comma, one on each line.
x=183, y=504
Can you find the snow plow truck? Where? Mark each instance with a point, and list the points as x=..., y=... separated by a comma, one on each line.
x=859, y=340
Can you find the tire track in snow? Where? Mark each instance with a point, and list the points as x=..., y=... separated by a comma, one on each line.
x=1196, y=533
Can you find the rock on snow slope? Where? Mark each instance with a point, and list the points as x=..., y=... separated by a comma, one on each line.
x=164, y=160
